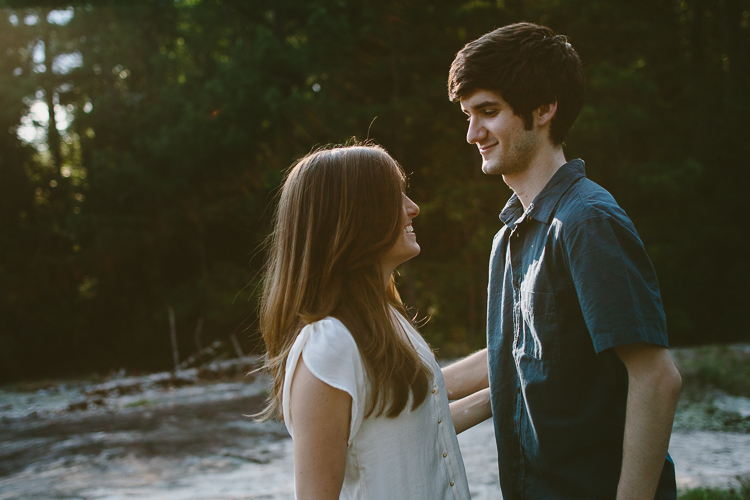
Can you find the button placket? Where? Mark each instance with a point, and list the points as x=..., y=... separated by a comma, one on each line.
x=444, y=441
x=438, y=403
x=515, y=257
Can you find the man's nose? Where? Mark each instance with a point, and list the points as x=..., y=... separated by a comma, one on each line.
x=475, y=133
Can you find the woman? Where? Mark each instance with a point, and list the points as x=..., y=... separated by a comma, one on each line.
x=357, y=386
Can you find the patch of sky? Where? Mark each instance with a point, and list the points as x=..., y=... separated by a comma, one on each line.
x=63, y=117
x=33, y=127
x=60, y=17
x=65, y=63
x=13, y=19
x=37, y=53
x=62, y=64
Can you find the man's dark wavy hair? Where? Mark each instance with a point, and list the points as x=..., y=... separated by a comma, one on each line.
x=528, y=66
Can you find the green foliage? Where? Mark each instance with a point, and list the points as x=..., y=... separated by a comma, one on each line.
x=711, y=375
x=138, y=403
x=718, y=494
x=184, y=115
x=703, y=414
x=726, y=368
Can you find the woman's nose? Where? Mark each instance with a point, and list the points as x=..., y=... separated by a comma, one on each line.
x=412, y=209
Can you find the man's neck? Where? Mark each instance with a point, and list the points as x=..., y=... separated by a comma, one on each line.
x=529, y=183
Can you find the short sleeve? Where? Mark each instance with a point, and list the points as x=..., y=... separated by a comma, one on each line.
x=616, y=283
x=332, y=356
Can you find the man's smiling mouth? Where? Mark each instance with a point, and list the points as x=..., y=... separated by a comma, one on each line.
x=487, y=147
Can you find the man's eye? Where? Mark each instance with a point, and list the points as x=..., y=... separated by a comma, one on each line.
x=489, y=112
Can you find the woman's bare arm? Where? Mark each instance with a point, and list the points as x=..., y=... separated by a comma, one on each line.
x=320, y=420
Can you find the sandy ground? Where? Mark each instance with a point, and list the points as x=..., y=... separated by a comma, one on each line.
x=194, y=443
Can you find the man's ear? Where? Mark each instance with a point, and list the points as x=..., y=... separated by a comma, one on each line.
x=545, y=113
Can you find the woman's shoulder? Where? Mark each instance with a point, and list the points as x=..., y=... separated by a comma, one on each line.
x=331, y=355
x=330, y=334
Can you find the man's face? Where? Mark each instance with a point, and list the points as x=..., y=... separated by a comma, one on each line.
x=506, y=147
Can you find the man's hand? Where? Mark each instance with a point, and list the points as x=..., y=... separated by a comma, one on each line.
x=467, y=376
x=653, y=390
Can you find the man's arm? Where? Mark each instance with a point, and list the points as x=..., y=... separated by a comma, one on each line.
x=471, y=410
x=320, y=421
x=653, y=390
x=467, y=376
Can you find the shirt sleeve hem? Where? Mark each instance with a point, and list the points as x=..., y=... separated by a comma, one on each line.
x=614, y=339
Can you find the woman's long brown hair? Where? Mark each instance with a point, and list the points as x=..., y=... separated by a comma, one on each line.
x=339, y=212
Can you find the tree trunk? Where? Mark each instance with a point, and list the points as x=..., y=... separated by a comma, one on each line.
x=173, y=337
x=53, y=136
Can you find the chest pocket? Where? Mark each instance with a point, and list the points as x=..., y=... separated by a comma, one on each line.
x=539, y=337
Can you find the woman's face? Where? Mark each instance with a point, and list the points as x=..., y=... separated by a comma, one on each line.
x=406, y=246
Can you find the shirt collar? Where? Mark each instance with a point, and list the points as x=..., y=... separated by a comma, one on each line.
x=546, y=201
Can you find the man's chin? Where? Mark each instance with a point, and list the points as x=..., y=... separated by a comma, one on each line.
x=503, y=168
x=490, y=168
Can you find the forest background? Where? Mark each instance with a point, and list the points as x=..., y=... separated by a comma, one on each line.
x=149, y=186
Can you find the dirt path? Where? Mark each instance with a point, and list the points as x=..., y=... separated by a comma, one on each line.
x=193, y=443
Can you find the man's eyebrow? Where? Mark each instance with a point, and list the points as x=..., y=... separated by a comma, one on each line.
x=485, y=104
x=482, y=105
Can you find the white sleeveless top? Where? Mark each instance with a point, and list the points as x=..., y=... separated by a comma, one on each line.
x=414, y=455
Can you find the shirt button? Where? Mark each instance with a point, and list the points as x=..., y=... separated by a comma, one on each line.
x=445, y=455
x=439, y=420
x=433, y=391
x=451, y=483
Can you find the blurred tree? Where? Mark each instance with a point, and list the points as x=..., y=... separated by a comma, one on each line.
x=179, y=118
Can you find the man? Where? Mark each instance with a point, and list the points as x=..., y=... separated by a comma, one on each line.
x=582, y=385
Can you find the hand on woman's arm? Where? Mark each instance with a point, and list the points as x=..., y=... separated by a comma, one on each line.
x=320, y=420
x=471, y=410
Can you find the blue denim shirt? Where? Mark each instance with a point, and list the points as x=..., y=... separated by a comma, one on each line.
x=569, y=279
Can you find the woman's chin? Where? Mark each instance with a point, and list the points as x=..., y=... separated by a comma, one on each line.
x=415, y=251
